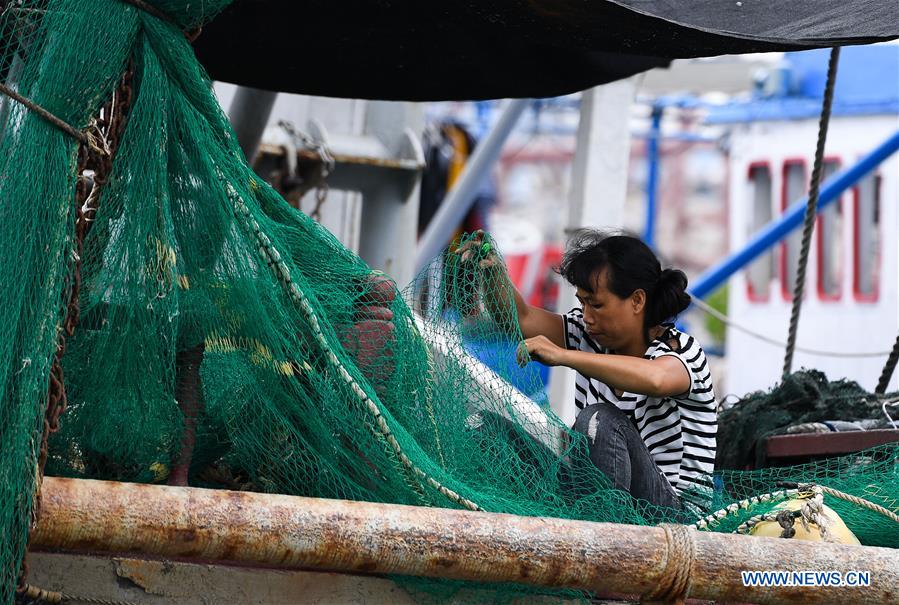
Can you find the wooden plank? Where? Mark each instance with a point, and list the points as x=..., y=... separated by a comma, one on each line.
x=826, y=444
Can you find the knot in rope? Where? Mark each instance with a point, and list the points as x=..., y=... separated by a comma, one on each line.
x=786, y=520
x=812, y=512
x=674, y=584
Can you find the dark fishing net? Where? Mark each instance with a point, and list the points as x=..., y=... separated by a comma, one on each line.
x=803, y=397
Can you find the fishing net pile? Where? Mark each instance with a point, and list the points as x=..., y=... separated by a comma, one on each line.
x=177, y=321
x=803, y=402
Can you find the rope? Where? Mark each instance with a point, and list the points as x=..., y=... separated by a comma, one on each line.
x=810, y=209
x=40, y=595
x=887, y=414
x=792, y=491
x=282, y=272
x=49, y=117
x=94, y=601
x=785, y=518
x=33, y=593
x=887, y=373
x=674, y=584
x=861, y=502
x=704, y=306
x=811, y=513
x=717, y=516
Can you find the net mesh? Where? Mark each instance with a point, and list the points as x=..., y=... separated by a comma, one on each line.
x=227, y=340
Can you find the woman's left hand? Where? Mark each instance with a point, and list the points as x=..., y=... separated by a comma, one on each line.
x=542, y=349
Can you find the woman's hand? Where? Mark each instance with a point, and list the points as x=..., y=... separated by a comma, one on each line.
x=542, y=349
x=477, y=249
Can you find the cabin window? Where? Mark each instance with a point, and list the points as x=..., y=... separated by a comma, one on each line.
x=761, y=271
x=792, y=189
x=867, y=248
x=830, y=241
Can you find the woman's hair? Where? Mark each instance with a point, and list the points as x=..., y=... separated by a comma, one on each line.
x=631, y=265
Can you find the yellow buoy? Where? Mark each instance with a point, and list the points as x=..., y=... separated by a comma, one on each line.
x=835, y=528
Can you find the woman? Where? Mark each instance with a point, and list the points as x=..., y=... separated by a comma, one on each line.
x=643, y=388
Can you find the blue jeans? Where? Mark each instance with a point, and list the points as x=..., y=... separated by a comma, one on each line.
x=616, y=448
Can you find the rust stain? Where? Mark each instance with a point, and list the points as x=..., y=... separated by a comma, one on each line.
x=293, y=532
x=133, y=570
x=443, y=562
x=367, y=566
x=184, y=535
x=310, y=157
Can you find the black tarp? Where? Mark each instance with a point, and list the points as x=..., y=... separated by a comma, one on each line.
x=478, y=49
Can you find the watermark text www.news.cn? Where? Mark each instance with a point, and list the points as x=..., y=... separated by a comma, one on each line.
x=806, y=578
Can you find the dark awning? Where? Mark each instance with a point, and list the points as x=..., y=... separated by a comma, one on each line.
x=477, y=49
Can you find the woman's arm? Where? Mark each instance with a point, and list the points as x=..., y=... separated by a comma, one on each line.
x=661, y=377
x=533, y=321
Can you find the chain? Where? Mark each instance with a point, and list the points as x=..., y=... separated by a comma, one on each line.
x=321, y=195
x=326, y=164
x=94, y=166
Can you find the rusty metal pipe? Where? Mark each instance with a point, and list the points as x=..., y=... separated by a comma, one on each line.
x=294, y=532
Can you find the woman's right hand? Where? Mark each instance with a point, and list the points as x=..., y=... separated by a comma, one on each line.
x=477, y=249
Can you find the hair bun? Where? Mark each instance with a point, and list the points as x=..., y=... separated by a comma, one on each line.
x=673, y=278
x=671, y=296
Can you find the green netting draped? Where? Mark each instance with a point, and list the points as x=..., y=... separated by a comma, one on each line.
x=227, y=336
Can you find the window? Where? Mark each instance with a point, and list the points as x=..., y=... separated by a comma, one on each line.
x=760, y=272
x=792, y=189
x=830, y=241
x=866, y=249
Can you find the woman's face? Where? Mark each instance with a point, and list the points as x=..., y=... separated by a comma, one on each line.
x=613, y=322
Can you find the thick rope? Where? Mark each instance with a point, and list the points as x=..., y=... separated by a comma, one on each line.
x=811, y=513
x=674, y=585
x=861, y=502
x=716, y=517
x=888, y=369
x=46, y=115
x=94, y=601
x=709, y=521
x=282, y=272
x=810, y=209
x=786, y=518
x=40, y=595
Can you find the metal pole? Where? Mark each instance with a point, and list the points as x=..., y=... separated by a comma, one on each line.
x=249, y=113
x=290, y=532
x=459, y=199
x=709, y=281
x=652, y=178
x=596, y=196
x=389, y=215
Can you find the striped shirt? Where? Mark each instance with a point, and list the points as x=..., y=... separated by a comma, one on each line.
x=679, y=431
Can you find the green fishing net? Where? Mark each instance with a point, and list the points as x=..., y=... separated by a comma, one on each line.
x=227, y=340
